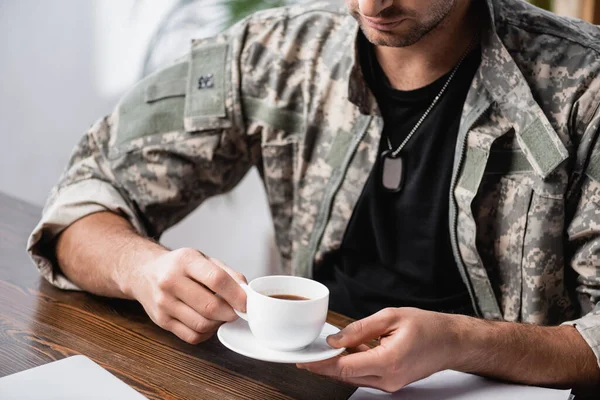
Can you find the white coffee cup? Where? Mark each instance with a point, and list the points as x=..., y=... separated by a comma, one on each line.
x=286, y=325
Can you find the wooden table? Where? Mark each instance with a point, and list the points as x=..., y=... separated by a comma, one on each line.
x=39, y=324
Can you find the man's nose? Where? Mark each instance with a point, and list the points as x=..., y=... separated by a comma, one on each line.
x=371, y=8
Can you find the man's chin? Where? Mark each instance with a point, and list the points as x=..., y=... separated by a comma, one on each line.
x=389, y=38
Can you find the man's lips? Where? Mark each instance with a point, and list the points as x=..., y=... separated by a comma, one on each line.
x=382, y=24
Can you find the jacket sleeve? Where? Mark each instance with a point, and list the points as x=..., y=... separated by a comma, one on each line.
x=584, y=239
x=174, y=140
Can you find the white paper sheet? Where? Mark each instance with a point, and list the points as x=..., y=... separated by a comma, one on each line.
x=452, y=385
x=72, y=378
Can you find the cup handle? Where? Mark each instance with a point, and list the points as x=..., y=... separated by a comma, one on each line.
x=239, y=313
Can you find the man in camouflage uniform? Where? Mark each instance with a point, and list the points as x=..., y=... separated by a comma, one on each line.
x=284, y=90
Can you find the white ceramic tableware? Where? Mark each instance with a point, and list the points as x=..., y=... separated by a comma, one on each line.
x=237, y=337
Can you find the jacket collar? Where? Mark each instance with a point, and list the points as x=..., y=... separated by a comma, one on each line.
x=359, y=92
x=509, y=89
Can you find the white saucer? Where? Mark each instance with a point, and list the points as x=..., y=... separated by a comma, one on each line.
x=237, y=337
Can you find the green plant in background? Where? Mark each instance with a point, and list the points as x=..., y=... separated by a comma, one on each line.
x=195, y=19
x=238, y=9
x=545, y=4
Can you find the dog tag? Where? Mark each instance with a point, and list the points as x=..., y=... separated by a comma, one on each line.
x=392, y=172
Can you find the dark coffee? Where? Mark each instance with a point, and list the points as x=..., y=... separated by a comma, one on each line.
x=288, y=297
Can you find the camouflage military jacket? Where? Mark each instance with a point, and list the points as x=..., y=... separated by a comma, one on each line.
x=283, y=90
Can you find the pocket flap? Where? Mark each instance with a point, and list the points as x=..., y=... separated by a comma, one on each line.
x=542, y=147
x=205, y=106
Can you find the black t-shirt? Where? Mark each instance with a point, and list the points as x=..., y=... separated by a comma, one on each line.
x=396, y=251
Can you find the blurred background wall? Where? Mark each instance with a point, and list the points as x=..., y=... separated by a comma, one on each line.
x=65, y=63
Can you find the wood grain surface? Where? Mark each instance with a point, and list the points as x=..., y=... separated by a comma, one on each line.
x=39, y=324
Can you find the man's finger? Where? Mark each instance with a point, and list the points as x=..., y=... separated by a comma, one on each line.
x=366, y=363
x=361, y=331
x=196, y=322
x=358, y=349
x=239, y=278
x=203, y=301
x=219, y=281
x=186, y=334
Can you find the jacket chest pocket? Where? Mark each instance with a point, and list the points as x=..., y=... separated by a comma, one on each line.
x=520, y=240
x=501, y=211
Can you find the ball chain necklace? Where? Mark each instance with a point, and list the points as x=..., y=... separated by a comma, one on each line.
x=392, y=164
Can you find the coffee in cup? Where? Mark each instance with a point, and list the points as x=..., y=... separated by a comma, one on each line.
x=288, y=297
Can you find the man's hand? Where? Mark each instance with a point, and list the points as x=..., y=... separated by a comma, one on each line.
x=183, y=291
x=413, y=345
x=189, y=294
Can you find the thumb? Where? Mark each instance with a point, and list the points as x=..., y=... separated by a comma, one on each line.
x=364, y=330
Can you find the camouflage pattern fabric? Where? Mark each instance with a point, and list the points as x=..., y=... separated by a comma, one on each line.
x=283, y=90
